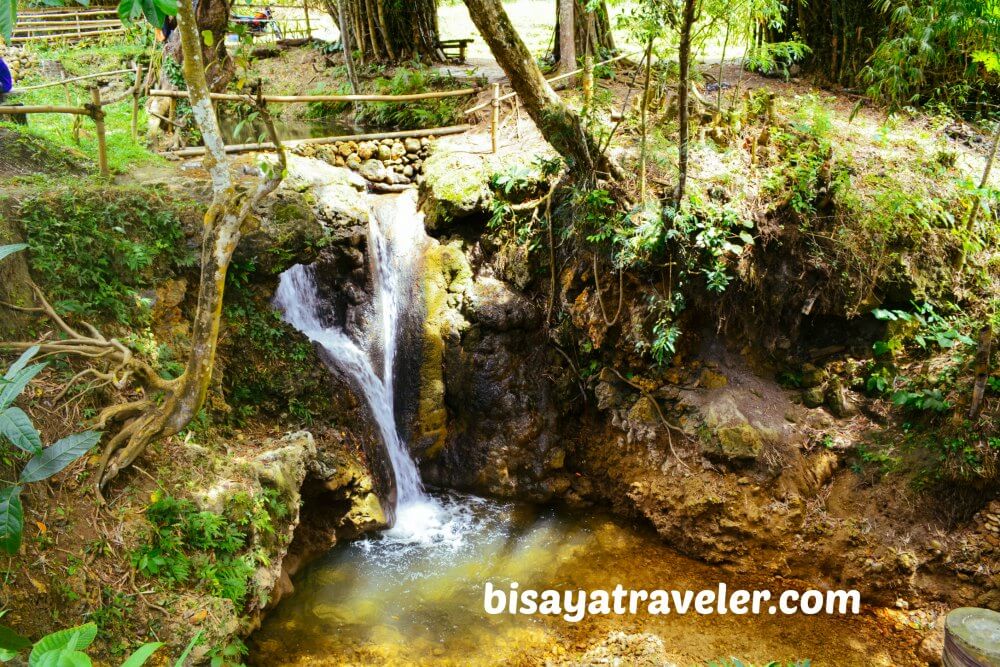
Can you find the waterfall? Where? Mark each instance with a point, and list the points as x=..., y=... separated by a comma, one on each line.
x=395, y=232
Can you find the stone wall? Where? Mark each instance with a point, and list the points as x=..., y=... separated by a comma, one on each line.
x=383, y=163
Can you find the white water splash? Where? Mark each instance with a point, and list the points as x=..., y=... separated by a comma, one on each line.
x=395, y=232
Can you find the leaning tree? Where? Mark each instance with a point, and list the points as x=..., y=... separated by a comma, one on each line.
x=559, y=124
x=166, y=406
x=390, y=30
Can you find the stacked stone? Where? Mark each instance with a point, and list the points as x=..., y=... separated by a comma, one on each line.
x=386, y=161
x=987, y=523
x=20, y=61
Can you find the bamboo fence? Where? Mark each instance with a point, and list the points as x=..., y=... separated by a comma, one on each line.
x=65, y=24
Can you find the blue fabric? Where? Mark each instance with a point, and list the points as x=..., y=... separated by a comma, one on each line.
x=6, y=81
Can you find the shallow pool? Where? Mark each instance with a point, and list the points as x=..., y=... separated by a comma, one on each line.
x=415, y=596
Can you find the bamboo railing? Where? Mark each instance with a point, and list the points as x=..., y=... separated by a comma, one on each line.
x=496, y=98
x=66, y=25
x=294, y=99
x=95, y=110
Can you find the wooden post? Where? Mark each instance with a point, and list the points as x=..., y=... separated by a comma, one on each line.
x=495, y=117
x=97, y=113
x=136, y=90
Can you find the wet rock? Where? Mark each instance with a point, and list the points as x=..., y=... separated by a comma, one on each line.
x=373, y=170
x=456, y=186
x=812, y=376
x=710, y=379
x=608, y=396
x=837, y=399
x=284, y=222
x=813, y=397
x=620, y=648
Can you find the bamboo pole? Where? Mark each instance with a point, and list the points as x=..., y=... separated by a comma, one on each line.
x=97, y=113
x=81, y=35
x=136, y=89
x=267, y=146
x=305, y=8
x=66, y=14
x=289, y=99
x=495, y=116
x=32, y=26
x=63, y=82
x=39, y=108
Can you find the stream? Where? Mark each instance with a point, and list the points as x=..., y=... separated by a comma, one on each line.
x=414, y=594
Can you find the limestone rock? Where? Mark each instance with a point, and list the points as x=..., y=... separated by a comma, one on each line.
x=373, y=170
x=813, y=397
x=837, y=399
x=812, y=376
x=456, y=186
x=412, y=145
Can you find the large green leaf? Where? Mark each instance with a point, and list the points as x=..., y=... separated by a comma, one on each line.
x=129, y=10
x=11, y=519
x=62, y=658
x=12, y=17
x=52, y=459
x=79, y=638
x=11, y=641
x=142, y=654
x=187, y=651
x=16, y=427
x=21, y=362
x=11, y=388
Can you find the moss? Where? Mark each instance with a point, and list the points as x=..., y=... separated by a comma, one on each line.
x=455, y=186
x=446, y=278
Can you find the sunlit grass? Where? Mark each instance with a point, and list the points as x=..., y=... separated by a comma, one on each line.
x=124, y=154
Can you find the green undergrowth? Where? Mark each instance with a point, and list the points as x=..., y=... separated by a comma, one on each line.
x=270, y=368
x=212, y=552
x=124, y=154
x=99, y=251
x=407, y=115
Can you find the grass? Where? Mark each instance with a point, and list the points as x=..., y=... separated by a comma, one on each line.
x=124, y=154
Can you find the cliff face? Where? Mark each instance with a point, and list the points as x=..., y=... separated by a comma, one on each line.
x=749, y=446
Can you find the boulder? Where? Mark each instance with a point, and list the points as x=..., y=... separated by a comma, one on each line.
x=412, y=145
x=373, y=170
x=456, y=186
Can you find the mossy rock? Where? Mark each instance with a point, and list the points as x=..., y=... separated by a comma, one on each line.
x=456, y=186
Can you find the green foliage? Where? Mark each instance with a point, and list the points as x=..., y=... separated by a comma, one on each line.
x=796, y=181
x=190, y=546
x=97, y=250
x=417, y=114
x=154, y=11
x=66, y=648
x=931, y=53
x=17, y=429
x=925, y=399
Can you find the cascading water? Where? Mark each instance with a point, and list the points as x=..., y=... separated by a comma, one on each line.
x=395, y=235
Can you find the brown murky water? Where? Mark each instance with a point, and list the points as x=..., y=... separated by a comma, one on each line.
x=416, y=598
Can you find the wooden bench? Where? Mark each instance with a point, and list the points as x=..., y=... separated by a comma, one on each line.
x=454, y=49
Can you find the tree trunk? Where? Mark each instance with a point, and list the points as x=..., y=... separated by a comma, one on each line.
x=560, y=125
x=567, y=38
x=387, y=31
x=346, y=43
x=589, y=28
x=213, y=16
x=683, y=105
x=179, y=400
x=643, y=116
